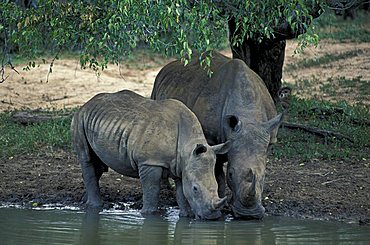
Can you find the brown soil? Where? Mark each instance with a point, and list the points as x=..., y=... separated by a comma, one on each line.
x=316, y=189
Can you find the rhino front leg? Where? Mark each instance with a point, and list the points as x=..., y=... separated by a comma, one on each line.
x=150, y=178
x=185, y=209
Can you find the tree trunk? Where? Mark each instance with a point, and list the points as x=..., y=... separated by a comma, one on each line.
x=265, y=58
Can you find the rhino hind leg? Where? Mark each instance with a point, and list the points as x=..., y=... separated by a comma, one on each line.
x=91, y=172
x=150, y=178
x=99, y=169
x=92, y=169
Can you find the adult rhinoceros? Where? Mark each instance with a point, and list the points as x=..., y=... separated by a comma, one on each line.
x=147, y=139
x=233, y=101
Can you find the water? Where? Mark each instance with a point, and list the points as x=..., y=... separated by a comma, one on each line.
x=58, y=226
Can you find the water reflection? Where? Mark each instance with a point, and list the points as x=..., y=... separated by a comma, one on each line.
x=232, y=232
x=90, y=228
x=21, y=226
x=132, y=228
x=155, y=231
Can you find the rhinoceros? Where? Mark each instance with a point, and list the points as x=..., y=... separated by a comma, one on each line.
x=147, y=139
x=232, y=104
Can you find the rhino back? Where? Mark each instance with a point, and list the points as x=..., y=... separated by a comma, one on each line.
x=233, y=89
x=123, y=130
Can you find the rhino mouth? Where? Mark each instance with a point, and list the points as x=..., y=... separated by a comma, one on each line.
x=240, y=212
x=209, y=216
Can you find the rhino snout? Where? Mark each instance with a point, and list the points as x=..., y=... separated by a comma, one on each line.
x=219, y=203
x=212, y=210
x=247, y=204
x=210, y=215
x=247, y=195
x=252, y=189
x=214, y=215
x=241, y=212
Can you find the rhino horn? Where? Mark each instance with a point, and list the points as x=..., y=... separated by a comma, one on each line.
x=274, y=122
x=252, y=190
x=222, y=148
x=219, y=203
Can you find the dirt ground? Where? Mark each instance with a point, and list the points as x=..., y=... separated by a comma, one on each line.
x=316, y=189
x=69, y=86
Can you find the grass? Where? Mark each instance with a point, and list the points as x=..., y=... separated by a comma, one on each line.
x=36, y=138
x=341, y=85
x=330, y=26
x=323, y=60
x=334, y=88
x=351, y=121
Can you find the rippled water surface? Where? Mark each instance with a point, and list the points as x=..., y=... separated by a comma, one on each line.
x=55, y=226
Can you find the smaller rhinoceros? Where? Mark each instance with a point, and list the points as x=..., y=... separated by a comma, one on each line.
x=147, y=139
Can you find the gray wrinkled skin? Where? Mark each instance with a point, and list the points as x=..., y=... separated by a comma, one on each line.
x=233, y=104
x=147, y=139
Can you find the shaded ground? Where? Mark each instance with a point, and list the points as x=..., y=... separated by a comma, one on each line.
x=337, y=190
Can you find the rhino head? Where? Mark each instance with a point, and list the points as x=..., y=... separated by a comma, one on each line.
x=247, y=162
x=199, y=182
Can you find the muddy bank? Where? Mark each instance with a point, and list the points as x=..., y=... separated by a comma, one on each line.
x=316, y=190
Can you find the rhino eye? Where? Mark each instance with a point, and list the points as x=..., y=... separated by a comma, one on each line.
x=230, y=173
x=195, y=189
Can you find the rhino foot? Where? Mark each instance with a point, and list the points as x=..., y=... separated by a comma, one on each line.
x=91, y=209
x=186, y=213
x=90, y=204
x=149, y=211
x=212, y=216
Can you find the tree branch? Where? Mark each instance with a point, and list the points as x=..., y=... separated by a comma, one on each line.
x=51, y=66
x=2, y=71
x=316, y=131
x=37, y=116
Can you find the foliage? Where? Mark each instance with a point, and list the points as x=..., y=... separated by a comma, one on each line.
x=106, y=31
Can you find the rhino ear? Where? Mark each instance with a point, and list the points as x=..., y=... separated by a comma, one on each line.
x=199, y=149
x=233, y=123
x=222, y=148
x=274, y=122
